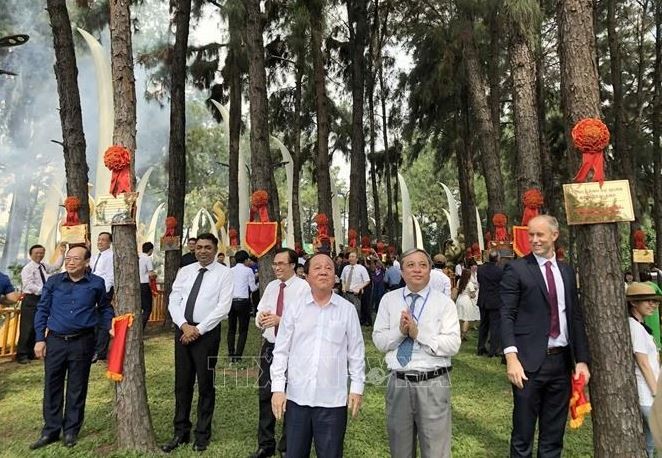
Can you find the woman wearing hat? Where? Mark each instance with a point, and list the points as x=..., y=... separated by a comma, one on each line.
x=642, y=302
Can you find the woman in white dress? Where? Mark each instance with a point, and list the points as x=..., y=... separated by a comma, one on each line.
x=467, y=310
x=642, y=302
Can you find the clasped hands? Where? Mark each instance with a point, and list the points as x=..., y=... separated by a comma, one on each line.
x=268, y=319
x=408, y=326
x=189, y=334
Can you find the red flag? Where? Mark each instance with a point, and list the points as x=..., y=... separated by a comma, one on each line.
x=261, y=237
x=521, y=240
x=579, y=405
x=121, y=325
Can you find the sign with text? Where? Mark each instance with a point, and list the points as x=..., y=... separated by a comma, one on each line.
x=118, y=210
x=643, y=256
x=590, y=203
x=73, y=235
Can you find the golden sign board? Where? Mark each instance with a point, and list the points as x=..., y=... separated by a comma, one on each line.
x=73, y=234
x=120, y=210
x=590, y=203
x=643, y=256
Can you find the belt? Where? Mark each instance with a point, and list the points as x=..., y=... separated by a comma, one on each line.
x=72, y=336
x=556, y=350
x=240, y=299
x=32, y=295
x=423, y=376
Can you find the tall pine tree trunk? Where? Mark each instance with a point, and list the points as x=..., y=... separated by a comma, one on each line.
x=73, y=137
x=465, y=171
x=322, y=162
x=177, y=140
x=617, y=426
x=357, y=13
x=134, y=422
x=527, y=131
x=262, y=175
x=657, y=133
x=373, y=57
x=296, y=150
x=388, y=173
x=235, y=25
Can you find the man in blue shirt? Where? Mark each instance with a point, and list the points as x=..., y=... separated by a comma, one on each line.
x=71, y=305
x=8, y=295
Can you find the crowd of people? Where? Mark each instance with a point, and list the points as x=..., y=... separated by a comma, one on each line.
x=312, y=358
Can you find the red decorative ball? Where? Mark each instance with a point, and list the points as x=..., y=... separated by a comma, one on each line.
x=533, y=198
x=590, y=135
x=117, y=158
x=260, y=198
x=499, y=220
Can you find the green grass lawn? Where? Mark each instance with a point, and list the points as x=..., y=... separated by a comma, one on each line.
x=481, y=400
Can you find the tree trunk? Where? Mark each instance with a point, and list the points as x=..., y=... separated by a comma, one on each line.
x=322, y=172
x=465, y=175
x=493, y=73
x=177, y=140
x=487, y=137
x=262, y=175
x=527, y=132
x=618, y=124
x=390, y=221
x=296, y=150
x=73, y=137
x=134, y=422
x=234, y=51
x=373, y=57
x=357, y=13
x=657, y=133
x=617, y=427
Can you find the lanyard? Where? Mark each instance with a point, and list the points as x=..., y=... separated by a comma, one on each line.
x=413, y=314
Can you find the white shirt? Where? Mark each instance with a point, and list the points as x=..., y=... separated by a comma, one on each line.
x=145, y=266
x=214, y=298
x=243, y=280
x=438, y=329
x=562, y=339
x=318, y=347
x=30, y=278
x=360, y=277
x=458, y=269
x=642, y=342
x=439, y=280
x=102, y=265
x=295, y=289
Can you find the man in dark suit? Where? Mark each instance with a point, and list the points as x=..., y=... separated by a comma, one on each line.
x=489, y=304
x=542, y=327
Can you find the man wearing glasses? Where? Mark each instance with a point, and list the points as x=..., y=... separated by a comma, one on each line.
x=72, y=305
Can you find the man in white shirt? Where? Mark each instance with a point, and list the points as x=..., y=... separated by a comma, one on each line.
x=33, y=277
x=102, y=265
x=418, y=329
x=146, y=272
x=243, y=279
x=319, y=345
x=438, y=279
x=354, y=278
x=200, y=298
x=286, y=289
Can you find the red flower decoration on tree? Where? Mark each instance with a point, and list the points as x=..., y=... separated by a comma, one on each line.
x=365, y=244
x=475, y=250
x=118, y=160
x=591, y=137
x=234, y=237
x=171, y=226
x=532, y=200
x=380, y=247
x=259, y=201
x=71, y=205
x=322, y=222
x=499, y=220
x=351, y=235
x=639, y=237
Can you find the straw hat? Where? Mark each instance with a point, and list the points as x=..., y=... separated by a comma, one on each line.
x=641, y=292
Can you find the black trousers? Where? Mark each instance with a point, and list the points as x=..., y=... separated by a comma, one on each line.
x=366, y=306
x=266, y=429
x=544, y=399
x=70, y=360
x=239, y=312
x=490, y=325
x=102, y=336
x=25, y=348
x=145, y=302
x=325, y=425
x=196, y=360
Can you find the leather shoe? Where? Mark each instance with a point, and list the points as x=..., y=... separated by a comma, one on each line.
x=174, y=443
x=69, y=440
x=199, y=447
x=23, y=361
x=43, y=441
x=262, y=453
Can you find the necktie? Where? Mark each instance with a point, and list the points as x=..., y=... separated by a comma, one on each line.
x=94, y=269
x=554, y=326
x=348, y=285
x=190, y=302
x=407, y=346
x=279, y=302
x=41, y=274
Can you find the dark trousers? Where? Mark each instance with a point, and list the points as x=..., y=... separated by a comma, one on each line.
x=25, y=348
x=70, y=360
x=195, y=360
x=544, y=398
x=266, y=429
x=366, y=306
x=239, y=312
x=490, y=324
x=325, y=425
x=145, y=302
x=102, y=336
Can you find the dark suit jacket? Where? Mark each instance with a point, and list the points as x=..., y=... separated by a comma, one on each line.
x=525, y=315
x=489, y=280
